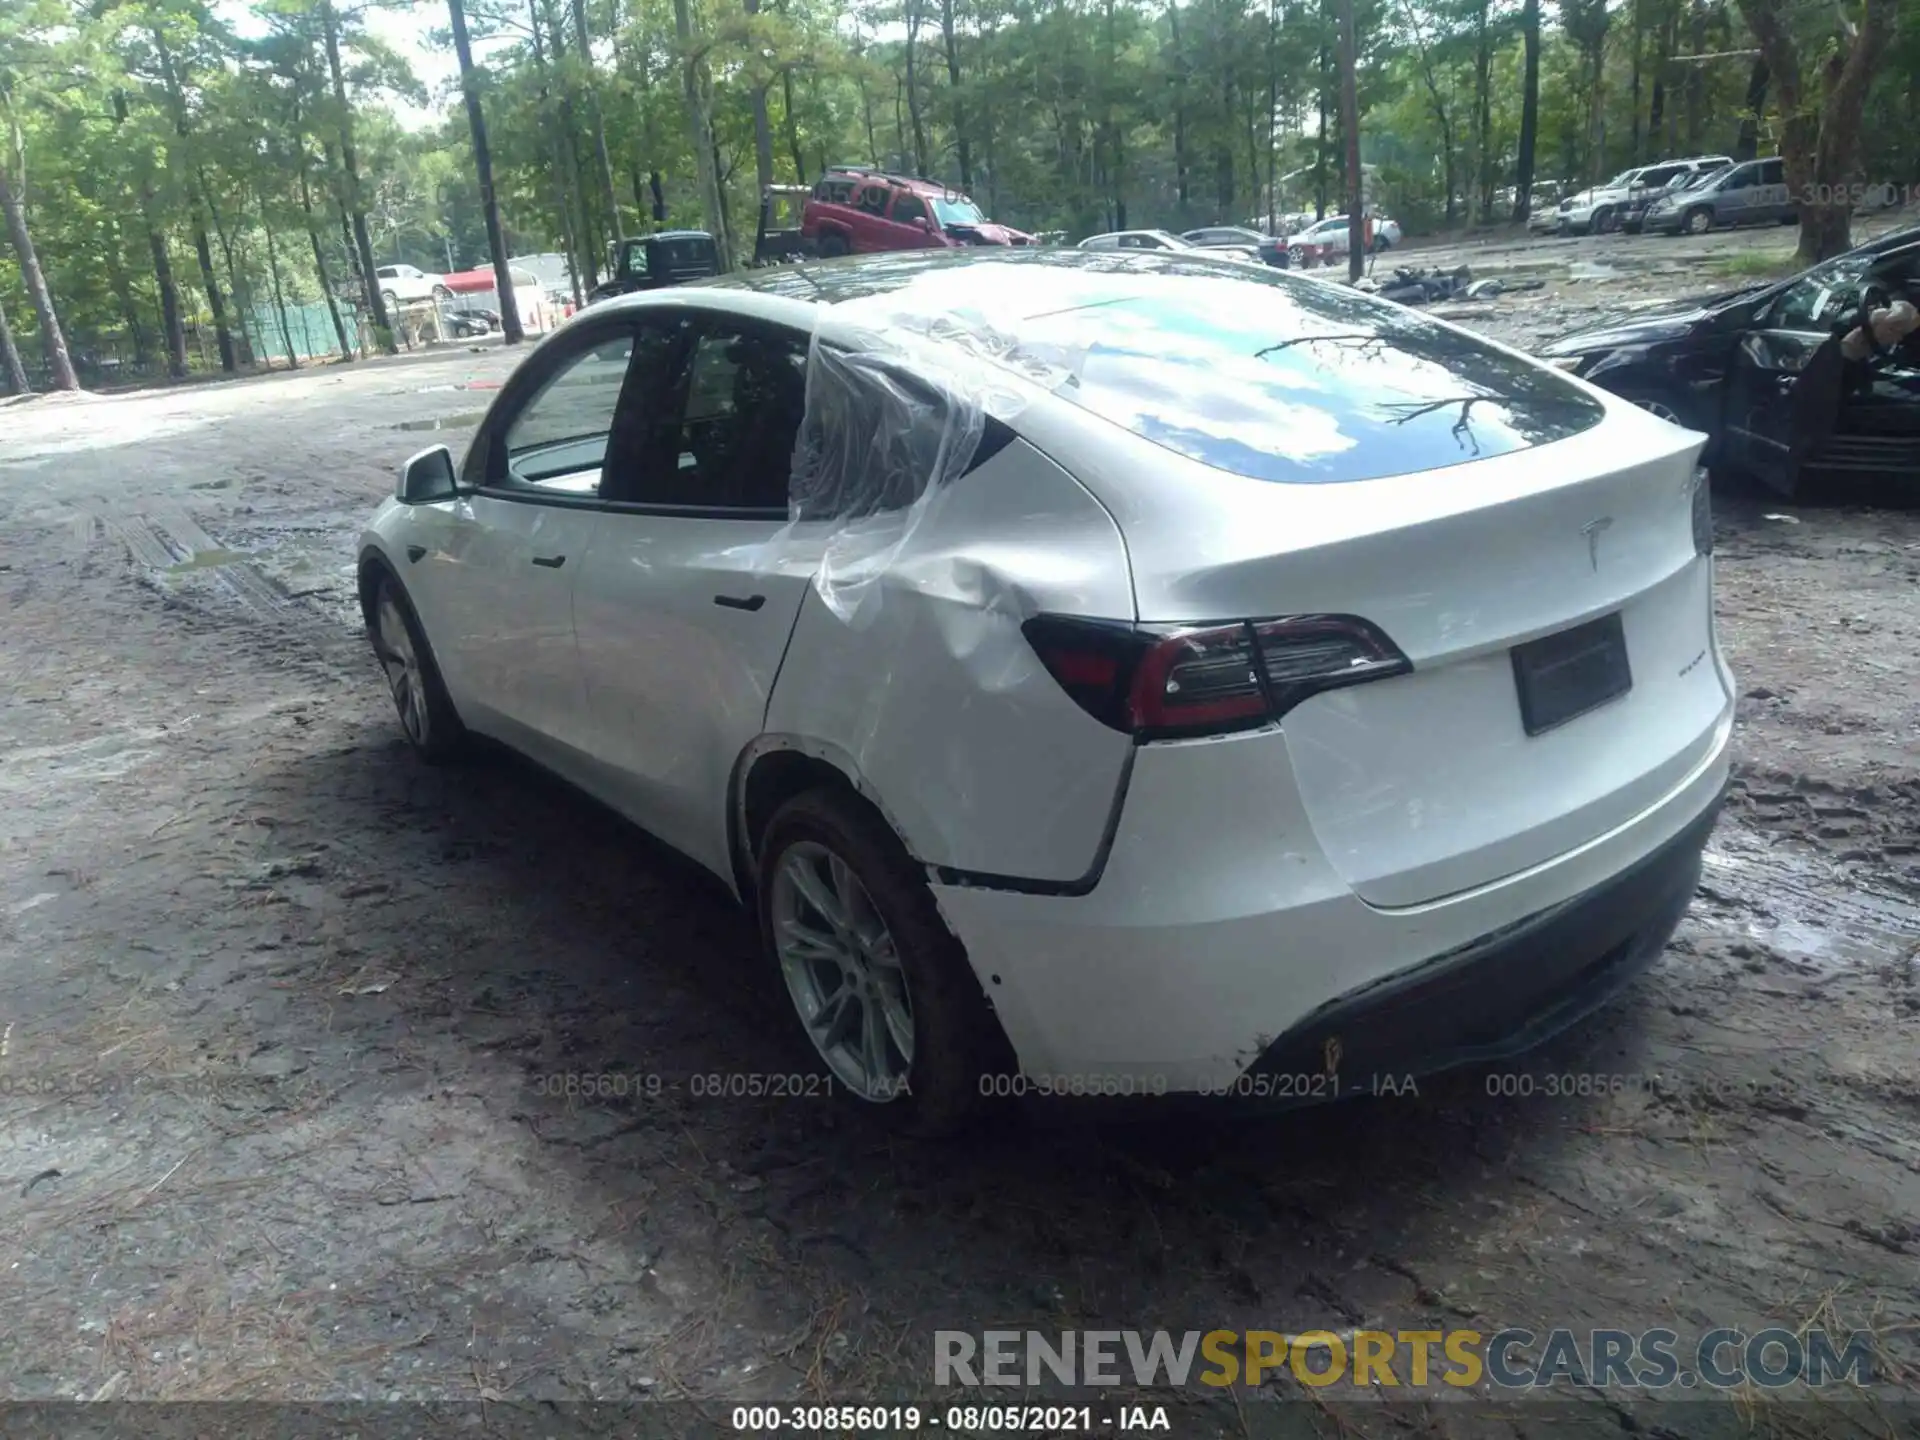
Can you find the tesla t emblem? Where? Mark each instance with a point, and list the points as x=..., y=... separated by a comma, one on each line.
x=1330, y=1053
x=1593, y=530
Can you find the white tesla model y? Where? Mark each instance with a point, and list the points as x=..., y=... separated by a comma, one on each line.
x=1144, y=675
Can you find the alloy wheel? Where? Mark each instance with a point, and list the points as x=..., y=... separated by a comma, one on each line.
x=1660, y=408
x=842, y=971
x=402, y=664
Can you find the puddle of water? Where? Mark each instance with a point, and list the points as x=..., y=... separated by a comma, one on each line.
x=205, y=560
x=478, y=385
x=1797, y=907
x=226, y=484
x=444, y=422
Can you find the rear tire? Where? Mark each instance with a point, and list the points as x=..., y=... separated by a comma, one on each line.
x=883, y=999
x=427, y=717
x=832, y=245
x=442, y=294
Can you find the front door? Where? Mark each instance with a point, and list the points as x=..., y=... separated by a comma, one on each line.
x=686, y=603
x=514, y=545
x=909, y=222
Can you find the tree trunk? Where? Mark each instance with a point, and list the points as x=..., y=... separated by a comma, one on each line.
x=1696, y=75
x=1483, y=110
x=1350, y=137
x=236, y=285
x=1180, y=165
x=913, y=89
x=51, y=338
x=568, y=154
x=203, y=250
x=279, y=297
x=1529, y=112
x=319, y=255
x=510, y=328
x=791, y=124
x=1636, y=28
x=1273, y=110
x=123, y=292
x=962, y=142
x=362, y=243
x=1322, y=135
x=170, y=321
x=17, y=383
x=693, y=87
x=578, y=262
x=1820, y=146
x=598, y=121
x=762, y=120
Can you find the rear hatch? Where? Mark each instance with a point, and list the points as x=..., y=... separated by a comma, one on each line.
x=1534, y=549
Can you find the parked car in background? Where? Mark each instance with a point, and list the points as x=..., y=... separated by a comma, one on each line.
x=670, y=257
x=1659, y=180
x=1137, y=240
x=1759, y=371
x=1752, y=193
x=1470, y=589
x=1329, y=238
x=408, y=285
x=855, y=211
x=1227, y=237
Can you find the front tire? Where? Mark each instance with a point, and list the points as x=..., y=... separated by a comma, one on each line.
x=1698, y=222
x=1605, y=221
x=427, y=717
x=882, y=994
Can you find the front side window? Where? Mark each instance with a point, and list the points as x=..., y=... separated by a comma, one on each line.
x=1823, y=296
x=1774, y=172
x=1741, y=179
x=907, y=209
x=746, y=392
x=558, y=441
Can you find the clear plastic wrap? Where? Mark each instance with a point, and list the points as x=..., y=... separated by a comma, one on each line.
x=897, y=403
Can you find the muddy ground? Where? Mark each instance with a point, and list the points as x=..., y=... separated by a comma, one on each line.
x=277, y=1004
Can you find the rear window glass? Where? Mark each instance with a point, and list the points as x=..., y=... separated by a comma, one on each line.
x=1302, y=381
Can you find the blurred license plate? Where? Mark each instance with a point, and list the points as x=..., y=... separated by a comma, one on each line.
x=1563, y=676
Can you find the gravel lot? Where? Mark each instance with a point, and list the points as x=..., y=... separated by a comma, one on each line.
x=277, y=1005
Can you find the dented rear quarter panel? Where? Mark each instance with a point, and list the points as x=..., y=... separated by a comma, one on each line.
x=964, y=740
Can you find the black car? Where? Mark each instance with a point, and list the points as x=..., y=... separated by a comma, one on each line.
x=671, y=257
x=1761, y=373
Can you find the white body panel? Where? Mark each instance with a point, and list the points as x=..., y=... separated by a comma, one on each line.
x=973, y=751
x=1167, y=906
x=677, y=684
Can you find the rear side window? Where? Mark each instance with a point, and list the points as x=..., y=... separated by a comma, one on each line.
x=1301, y=382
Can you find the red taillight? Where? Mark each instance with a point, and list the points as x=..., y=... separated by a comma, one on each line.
x=1161, y=682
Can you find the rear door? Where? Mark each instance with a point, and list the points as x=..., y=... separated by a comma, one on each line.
x=683, y=607
x=868, y=218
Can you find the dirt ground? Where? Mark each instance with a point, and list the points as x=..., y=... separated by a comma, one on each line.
x=277, y=1005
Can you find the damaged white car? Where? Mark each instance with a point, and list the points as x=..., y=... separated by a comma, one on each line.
x=1106, y=675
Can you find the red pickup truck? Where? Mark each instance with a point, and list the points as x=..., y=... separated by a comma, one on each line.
x=858, y=212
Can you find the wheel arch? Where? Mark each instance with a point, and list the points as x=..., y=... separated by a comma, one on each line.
x=771, y=771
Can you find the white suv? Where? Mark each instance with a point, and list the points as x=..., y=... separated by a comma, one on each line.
x=405, y=284
x=1603, y=208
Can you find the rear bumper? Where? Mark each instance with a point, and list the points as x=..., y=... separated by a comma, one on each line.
x=1502, y=995
x=1233, y=949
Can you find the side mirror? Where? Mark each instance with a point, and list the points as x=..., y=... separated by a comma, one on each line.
x=926, y=223
x=427, y=477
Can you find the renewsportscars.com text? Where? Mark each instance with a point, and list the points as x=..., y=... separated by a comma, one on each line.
x=1509, y=1359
